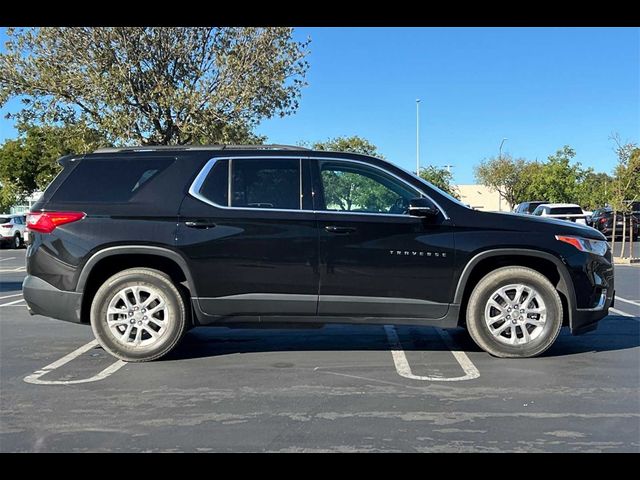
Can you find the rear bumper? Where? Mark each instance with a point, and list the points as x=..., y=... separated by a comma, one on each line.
x=44, y=299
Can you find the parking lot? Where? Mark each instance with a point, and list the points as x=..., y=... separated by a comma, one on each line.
x=338, y=388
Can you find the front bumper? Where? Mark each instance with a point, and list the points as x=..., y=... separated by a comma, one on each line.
x=44, y=299
x=593, y=281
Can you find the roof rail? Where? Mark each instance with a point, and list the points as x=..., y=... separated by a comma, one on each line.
x=153, y=148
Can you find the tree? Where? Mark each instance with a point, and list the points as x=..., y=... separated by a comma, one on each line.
x=593, y=191
x=155, y=85
x=625, y=186
x=557, y=180
x=506, y=175
x=29, y=162
x=441, y=178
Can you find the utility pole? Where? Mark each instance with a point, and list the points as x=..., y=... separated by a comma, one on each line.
x=500, y=149
x=417, y=136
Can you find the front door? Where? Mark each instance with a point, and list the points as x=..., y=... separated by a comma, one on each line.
x=250, y=237
x=375, y=259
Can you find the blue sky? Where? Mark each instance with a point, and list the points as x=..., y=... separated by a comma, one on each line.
x=541, y=88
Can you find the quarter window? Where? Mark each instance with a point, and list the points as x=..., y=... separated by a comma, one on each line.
x=351, y=187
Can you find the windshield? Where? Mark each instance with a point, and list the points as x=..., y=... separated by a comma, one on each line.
x=440, y=191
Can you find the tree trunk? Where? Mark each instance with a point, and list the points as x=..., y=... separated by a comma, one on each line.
x=613, y=234
x=624, y=234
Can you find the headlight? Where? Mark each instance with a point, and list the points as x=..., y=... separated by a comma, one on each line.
x=597, y=247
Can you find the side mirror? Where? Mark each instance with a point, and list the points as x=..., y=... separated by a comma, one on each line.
x=422, y=207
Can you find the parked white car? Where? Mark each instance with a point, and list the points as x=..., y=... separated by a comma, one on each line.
x=562, y=211
x=12, y=230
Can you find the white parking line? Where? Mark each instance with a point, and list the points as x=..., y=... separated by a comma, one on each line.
x=9, y=296
x=624, y=314
x=404, y=369
x=12, y=303
x=111, y=369
x=12, y=270
x=8, y=258
x=627, y=301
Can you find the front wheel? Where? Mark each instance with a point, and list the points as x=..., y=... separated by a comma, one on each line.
x=514, y=312
x=138, y=315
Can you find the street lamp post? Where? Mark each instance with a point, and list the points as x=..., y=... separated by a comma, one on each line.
x=500, y=149
x=417, y=136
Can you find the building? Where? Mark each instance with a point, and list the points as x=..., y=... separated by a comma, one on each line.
x=484, y=198
x=25, y=206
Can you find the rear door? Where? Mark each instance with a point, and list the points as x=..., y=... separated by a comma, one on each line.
x=249, y=233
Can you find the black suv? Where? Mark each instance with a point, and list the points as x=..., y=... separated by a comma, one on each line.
x=144, y=243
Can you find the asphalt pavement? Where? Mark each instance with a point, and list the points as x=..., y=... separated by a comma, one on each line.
x=337, y=388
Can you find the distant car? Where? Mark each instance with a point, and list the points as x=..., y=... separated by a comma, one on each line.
x=602, y=220
x=562, y=211
x=12, y=230
x=527, y=208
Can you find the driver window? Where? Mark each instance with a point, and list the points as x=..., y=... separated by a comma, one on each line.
x=354, y=187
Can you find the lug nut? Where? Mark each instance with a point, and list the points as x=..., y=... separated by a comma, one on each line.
x=508, y=317
x=522, y=310
x=139, y=323
x=144, y=318
x=514, y=321
x=143, y=310
x=130, y=313
x=132, y=321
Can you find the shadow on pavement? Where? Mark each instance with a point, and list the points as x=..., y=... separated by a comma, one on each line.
x=616, y=333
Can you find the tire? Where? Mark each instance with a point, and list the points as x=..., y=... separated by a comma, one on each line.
x=541, y=331
x=127, y=334
x=16, y=243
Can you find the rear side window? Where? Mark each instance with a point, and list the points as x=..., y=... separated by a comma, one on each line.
x=113, y=180
x=266, y=183
x=5, y=219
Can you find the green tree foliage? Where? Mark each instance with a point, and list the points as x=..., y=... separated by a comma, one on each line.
x=155, y=85
x=556, y=180
x=29, y=162
x=441, y=178
x=506, y=175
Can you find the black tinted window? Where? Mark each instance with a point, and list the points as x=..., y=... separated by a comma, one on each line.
x=566, y=211
x=17, y=220
x=216, y=186
x=266, y=183
x=5, y=219
x=109, y=180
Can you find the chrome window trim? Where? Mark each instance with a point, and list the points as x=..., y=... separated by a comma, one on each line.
x=194, y=189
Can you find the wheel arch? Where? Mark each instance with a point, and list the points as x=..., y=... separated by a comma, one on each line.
x=108, y=261
x=547, y=264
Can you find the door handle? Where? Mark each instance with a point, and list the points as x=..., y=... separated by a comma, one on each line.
x=204, y=224
x=337, y=229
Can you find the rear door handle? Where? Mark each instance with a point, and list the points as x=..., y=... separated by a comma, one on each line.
x=199, y=224
x=337, y=229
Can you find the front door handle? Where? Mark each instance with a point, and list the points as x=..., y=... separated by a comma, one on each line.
x=204, y=224
x=337, y=229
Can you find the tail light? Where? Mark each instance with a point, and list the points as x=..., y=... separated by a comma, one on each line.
x=603, y=220
x=46, y=222
x=6, y=225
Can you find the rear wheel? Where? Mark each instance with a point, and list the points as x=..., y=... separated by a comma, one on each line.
x=514, y=312
x=17, y=241
x=138, y=315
